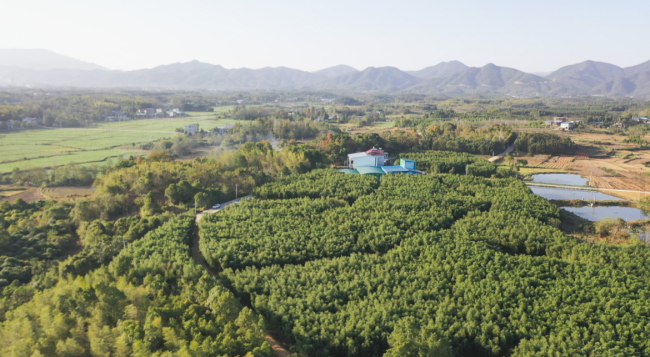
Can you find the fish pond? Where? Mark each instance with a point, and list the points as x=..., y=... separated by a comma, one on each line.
x=599, y=212
x=591, y=213
x=552, y=193
x=560, y=179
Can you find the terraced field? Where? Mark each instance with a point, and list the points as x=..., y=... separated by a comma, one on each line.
x=67, y=193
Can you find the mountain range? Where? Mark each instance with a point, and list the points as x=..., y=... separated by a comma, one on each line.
x=48, y=69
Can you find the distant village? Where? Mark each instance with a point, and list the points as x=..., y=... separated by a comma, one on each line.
x=562, y=123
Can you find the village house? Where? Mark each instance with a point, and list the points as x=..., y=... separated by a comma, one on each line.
x=569, y=125
x=373, y=162
x=176, y=113
x=117, y=115
x=224, y=129
x=147, y=113
x=191, y=129
x=31, y=121
x=372, y=157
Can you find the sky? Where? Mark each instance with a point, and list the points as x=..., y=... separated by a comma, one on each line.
x=530, y=35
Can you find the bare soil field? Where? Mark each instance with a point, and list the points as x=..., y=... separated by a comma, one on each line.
x=610, y=163
x=31, y=195
x=67, y=193
x=10, y=190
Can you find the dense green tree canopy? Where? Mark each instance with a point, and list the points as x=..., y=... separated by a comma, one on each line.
x=152, y=300
x=430, y=263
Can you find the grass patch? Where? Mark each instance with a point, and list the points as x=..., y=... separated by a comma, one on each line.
x=27, y=149
x=582, y=203
x=611, y=172
x=535, y=170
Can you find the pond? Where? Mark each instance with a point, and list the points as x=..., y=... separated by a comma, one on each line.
x=599, y=212
x=551, y=193
x=561, y=179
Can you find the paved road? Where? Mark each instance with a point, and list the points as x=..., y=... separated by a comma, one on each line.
x=278, y=349
x=506, y=152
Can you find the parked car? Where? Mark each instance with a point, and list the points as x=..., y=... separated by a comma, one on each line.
x=216, y=206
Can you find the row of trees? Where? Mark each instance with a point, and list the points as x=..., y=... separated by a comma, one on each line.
x=544, y=143
x=451, y=162
x=269, y=129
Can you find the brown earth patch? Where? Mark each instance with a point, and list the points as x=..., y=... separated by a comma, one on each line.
x=31, y=195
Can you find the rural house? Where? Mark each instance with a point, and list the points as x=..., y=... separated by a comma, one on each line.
x=146, y=113
x=176, y=113
x=372, y=162
x=191, y=129
x=569, y=125
x=224, y=129
x=372, y=157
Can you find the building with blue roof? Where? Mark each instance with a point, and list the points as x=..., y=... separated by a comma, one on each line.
x=372, y=162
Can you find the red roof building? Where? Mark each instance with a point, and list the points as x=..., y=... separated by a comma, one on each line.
x=375, y=152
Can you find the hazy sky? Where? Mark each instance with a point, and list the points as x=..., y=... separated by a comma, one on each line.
x=531, y=35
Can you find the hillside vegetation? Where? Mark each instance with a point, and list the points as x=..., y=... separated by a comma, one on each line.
x=444, y=264
x=152, y=300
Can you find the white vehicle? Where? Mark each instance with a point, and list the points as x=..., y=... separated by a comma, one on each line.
x=216, y=206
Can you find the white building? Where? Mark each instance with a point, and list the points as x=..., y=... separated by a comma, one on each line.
x=569, y=125
x=191, y=129
x=176, y=113
x=372, y=157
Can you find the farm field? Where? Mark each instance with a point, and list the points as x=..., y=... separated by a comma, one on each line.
x=67, y=193
x=29, y=195
x=375, y=128
x=52, y=147
x=610, y=162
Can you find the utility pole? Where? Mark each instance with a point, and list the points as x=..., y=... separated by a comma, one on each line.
x=235, y=192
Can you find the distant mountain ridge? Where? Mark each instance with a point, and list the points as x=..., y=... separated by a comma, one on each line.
x=336, y=71
x=447, y=78
x=441, y=70
x=41, y=60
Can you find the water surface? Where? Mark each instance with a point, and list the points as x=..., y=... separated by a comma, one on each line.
x=561, y=179
x=598, y=213
x=552, y=193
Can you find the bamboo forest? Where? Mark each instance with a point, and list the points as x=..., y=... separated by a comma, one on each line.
x=435, y=264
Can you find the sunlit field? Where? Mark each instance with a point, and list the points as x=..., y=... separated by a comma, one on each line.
x=52, y=147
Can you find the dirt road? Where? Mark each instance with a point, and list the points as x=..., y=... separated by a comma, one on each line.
x=506, y=152
x=278, y=349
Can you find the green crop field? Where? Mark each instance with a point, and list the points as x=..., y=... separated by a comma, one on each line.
x=52, y=147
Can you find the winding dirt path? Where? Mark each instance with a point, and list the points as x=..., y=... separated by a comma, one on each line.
x=497, y=157
x=278, y=348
